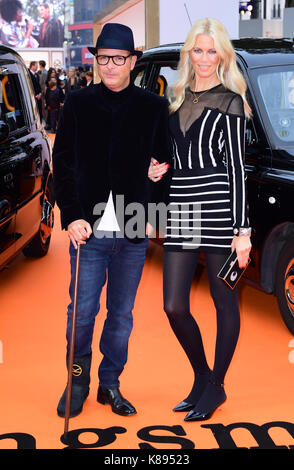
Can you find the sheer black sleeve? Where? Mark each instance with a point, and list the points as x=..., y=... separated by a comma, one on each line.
x=234, y=133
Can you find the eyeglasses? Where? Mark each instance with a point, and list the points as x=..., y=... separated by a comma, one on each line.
x=116, y=59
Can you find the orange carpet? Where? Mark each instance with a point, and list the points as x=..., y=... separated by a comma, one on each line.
x=259, y=411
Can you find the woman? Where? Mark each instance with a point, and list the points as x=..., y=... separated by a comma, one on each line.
x=208, y=208
x=52, y=73
x=72, y=82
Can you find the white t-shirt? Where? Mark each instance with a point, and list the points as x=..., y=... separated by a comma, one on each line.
x=108, y=221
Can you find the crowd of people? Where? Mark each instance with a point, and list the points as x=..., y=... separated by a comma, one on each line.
x=51, y=87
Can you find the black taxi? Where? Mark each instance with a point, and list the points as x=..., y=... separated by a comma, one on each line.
x=268, y=67
x=26, y=191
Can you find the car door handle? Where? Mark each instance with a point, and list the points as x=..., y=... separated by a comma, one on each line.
x=8, y=178
x=5, y=208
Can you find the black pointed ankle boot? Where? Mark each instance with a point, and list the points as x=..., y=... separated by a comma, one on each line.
x=190, y=402
x=213, y=396
x=80, y=387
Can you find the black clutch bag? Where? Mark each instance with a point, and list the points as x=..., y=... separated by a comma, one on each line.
x=231, y=272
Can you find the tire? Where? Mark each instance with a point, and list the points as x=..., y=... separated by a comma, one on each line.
x=39, y=245
x=285, y=284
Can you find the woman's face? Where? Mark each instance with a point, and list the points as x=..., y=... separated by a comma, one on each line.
x=204, y=57
x=18, y=16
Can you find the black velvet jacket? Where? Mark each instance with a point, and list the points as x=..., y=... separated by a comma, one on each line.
x=104, y=142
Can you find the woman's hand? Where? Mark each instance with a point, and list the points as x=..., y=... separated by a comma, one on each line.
x=150, y=231
x=79, y=231
x=156, y=170
x=30, y=27
x=242, y=245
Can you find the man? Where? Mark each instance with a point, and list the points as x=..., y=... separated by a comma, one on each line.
x=36, y=85
x=42, y=72
x=89, y=78
x=106, y=136
x=51, y=34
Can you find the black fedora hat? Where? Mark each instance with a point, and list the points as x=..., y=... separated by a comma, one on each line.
x=116, y=36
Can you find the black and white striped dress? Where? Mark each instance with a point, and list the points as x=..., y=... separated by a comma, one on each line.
x=207, y=192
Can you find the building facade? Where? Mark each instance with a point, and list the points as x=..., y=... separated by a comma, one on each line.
x=266, y=18
x=79, y=15
x=156, y=22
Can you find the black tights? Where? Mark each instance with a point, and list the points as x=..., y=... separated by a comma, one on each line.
x=179, y=269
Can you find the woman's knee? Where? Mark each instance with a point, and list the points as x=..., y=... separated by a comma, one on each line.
x=175, y=311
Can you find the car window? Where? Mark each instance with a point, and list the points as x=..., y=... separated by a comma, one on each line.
x=139, y=75
x=165, y=77
x=138, y=78
x=276, y=87
x=11, y=109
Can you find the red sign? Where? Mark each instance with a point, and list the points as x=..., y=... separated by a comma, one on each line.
x=87, y=57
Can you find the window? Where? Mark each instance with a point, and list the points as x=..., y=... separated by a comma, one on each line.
x=11, y=110
x=84, y=10
x=165, y=77
x=81, y=36
x=276, y=10
x=289, y=4
x=279, y=10
x=139, y=75
x=276, y=88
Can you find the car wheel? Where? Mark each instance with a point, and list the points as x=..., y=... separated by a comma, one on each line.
x=285, y=284
x=39, y=245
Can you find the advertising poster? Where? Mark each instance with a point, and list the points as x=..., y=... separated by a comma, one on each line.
x=32, y=23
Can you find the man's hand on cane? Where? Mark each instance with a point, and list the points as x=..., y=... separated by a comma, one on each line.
x=79, y=231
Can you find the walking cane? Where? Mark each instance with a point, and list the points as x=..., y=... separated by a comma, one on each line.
x=72, y=341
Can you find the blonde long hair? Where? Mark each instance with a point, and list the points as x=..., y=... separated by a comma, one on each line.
x=228, y=71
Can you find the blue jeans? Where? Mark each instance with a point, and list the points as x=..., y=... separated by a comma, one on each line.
x=123, y=262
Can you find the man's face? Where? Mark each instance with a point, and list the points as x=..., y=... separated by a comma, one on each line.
x=116, y=77
x=44, y=13
x=34, y=67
